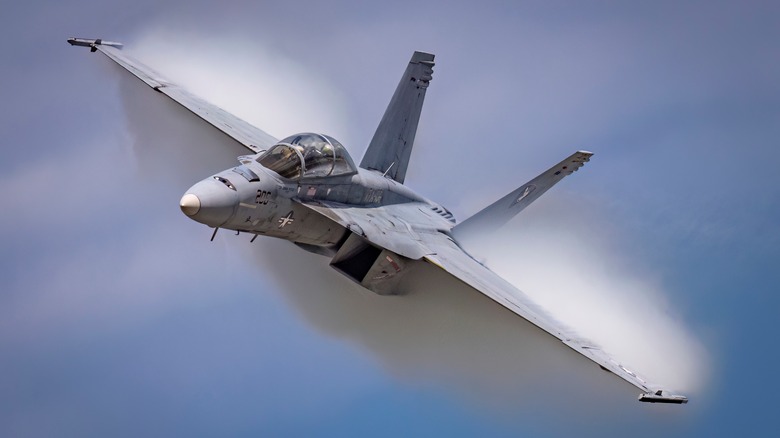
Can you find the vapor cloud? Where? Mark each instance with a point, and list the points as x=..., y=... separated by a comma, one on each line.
x=442, y=333
x=445, y=334
x=574, y=269
x=278, y=94
x=120, y=318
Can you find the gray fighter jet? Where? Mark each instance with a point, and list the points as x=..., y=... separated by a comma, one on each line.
x=306, y=189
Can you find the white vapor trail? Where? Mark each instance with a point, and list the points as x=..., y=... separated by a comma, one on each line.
x=442, y=333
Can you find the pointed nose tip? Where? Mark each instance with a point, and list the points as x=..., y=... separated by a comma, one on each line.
x=209, y=202
x=189, y=204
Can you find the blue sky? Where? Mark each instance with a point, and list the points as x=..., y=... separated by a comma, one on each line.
x=118, y=316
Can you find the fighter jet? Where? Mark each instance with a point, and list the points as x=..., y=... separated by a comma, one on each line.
x=307, y=189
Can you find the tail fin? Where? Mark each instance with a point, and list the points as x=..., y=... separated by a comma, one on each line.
x=391, y=146
x=501, y=211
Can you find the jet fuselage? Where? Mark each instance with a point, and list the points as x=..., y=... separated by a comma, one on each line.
x=250, y=198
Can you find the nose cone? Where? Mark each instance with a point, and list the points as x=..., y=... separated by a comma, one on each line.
x=209, y=202
x=190, y=204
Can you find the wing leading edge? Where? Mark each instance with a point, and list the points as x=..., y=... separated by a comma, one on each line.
x=247, y=135
x=451, y=258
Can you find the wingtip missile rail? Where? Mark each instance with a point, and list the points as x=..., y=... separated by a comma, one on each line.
x=92, y=43
x=660, y=397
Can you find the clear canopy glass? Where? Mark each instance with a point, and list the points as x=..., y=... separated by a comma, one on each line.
x=308, y=155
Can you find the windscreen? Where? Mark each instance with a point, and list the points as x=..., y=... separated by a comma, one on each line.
x=308, y=155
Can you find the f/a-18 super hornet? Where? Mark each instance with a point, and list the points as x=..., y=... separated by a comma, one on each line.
x=306, y=189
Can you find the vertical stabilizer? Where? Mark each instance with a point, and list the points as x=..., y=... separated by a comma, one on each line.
x=391, y=146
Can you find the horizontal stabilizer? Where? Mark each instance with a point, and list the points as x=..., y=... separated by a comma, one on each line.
x=501, y=211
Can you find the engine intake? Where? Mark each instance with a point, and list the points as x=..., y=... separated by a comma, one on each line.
x=376, y=269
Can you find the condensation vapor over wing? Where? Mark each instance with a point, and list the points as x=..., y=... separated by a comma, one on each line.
x=169, y=142
x=442, y=333
x=568, y=266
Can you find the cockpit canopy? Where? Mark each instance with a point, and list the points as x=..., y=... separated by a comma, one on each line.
x=308, y=155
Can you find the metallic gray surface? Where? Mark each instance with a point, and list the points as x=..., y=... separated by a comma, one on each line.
x=500, y=212
x=371, y=225
x=391, y=147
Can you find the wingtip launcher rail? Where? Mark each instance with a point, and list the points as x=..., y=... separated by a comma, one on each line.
x=659, y=397
x=92, y=43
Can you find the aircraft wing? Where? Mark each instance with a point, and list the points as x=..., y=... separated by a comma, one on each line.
x=447, y=255
x=249, y=136
x=413, y=231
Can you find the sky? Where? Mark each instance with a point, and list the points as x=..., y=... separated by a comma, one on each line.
x=118, y=317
